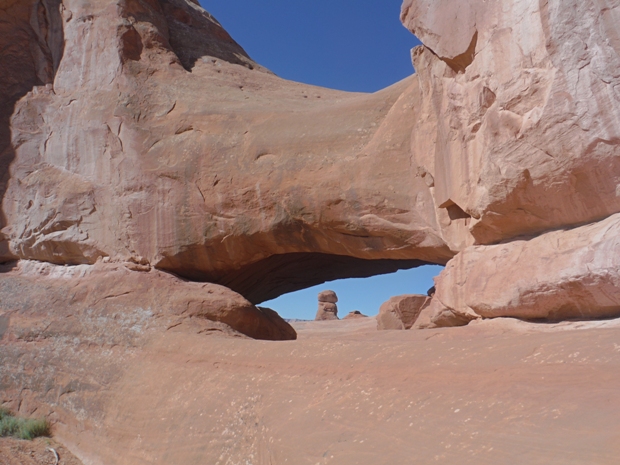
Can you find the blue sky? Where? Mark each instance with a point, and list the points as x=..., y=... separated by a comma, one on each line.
x=353, y=45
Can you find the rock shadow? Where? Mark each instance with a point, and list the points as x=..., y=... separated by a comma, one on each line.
x=31, y=48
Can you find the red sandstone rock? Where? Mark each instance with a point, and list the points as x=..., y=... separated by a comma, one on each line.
x=566, y=274
x=355, y=314
x=226, y=174
x=401, y=312
x=328, y=296
x=114, y=292
x=231, y=175
x=328, y=310
x=189, y=397
x=106, y=163
x=519, y=120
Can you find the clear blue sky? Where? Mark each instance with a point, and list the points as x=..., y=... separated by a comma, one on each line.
x=353, y=45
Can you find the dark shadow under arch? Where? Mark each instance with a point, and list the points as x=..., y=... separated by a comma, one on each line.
x=280, y=274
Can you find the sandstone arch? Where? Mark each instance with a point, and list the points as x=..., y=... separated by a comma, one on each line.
x=195, y=160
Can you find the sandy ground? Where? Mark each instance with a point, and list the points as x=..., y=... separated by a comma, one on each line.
x=498, y=392
x=37, y=452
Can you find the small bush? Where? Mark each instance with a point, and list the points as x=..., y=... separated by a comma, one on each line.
x=22, y=428
x=4, y=413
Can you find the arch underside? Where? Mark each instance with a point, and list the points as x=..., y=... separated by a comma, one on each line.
x=284, y=273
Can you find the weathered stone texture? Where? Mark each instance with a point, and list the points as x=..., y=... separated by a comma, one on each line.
x=208, y=173
x=523, y=102
x=328, y=310
x=401, y=312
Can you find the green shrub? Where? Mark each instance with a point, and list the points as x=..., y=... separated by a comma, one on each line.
x=22, y=428
x=4, y=413
x=9, y=426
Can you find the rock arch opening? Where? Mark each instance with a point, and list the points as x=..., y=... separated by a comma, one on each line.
x=356, y=294
x=280, y=274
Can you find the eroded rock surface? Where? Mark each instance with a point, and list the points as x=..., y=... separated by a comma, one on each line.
x=522, y=104
x=77, y=293
x=138, y=141
x=141, y=131
x=520, y=120
x=401, y=312
x=573, y=274
x=355, y=314
x=328, y=310
x=214, y=174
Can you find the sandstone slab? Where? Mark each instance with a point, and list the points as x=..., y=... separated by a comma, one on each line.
x=566, y=274
x=33, y=290
x=471, y=382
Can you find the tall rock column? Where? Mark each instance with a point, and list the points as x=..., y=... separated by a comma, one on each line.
x=328, y=310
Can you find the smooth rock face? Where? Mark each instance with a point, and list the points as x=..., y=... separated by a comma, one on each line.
x=401, y=312
x=572, y=274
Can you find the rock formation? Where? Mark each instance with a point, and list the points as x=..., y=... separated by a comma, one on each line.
x=572, y=274
x=523, y=104
x=328, y=310
x=140, y=131
x=355, y=314
x=157, y=183
x=114, y=295
x=153, y=135
x=401, y=312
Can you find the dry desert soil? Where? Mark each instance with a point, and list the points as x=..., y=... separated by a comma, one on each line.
x=37, y=452
x=494, y=392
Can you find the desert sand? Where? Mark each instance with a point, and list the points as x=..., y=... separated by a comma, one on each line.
x=494, y=392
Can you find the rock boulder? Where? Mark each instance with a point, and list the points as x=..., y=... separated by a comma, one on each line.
x=355, y=314
x=566, y=274
x=401, y=312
